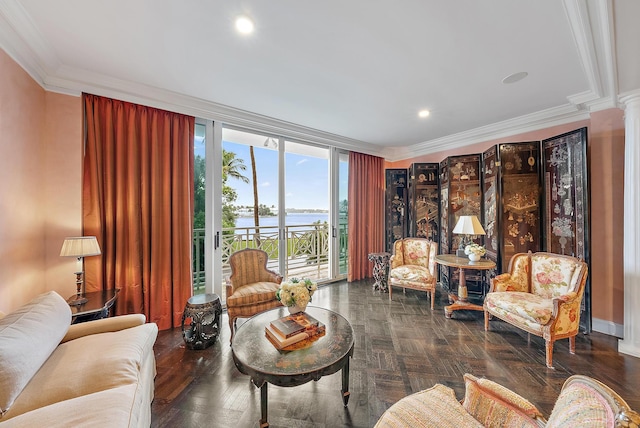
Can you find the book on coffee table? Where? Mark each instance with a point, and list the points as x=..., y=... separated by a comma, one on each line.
x=292, y=329
x=293, y=324
x=281, y=342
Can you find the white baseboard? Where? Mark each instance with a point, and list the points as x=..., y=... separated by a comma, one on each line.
x=628, y=348
x=607, y=327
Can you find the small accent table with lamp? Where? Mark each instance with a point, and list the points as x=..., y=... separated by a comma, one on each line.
x=96, y=307
x=461, y=301
x=79, y=247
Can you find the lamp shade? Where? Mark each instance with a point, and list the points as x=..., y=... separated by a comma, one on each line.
x=80, y=246
x=468, y=225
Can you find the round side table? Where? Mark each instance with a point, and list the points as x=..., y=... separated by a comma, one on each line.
x=201, y=321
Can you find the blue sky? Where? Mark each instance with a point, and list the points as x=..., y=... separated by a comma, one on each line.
x=306, y=177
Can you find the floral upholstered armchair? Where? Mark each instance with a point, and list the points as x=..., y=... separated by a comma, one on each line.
x=252, y=287
x=413, y=266
x=541, y=294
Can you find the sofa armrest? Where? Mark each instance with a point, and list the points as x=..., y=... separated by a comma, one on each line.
x=104, y=325
x=394, y=261
x=505, y=282
x=566, y=312
x=274, y=277
x=489, y=402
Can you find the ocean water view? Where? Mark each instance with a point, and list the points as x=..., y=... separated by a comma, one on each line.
x=292, y=219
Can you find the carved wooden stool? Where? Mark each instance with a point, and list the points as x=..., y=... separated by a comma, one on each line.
x=202, y=316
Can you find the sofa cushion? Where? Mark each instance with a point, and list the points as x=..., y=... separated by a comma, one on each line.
x=252, y=294
x=28, y=336
x=110, y=408
x=418, y=274
x=554, y=276
x=433, y=407
x=520, y=308
x=579, y=405
x=493, y=405
x=86, y=365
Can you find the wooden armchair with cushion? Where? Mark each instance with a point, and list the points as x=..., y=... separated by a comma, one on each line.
x=252, y=287
x=413, y=265
x=541, y=294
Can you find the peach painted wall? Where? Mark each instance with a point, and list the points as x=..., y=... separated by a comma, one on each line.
x=63, y=187
x=39, y=173
x=606, y=179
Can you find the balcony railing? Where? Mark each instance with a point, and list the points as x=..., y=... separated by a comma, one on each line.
x=307, y=250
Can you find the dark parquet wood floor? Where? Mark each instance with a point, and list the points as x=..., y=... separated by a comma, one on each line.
x=401, y=347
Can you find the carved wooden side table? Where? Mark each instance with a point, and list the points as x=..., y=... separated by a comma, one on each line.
x=380, y=270
x=461, y=301
x=201, y=321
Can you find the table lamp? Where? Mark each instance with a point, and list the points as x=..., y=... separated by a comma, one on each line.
x=467, y=225
x=79, y=247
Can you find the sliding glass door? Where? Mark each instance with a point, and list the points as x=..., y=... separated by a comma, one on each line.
x=306, y=208
x=255, y=190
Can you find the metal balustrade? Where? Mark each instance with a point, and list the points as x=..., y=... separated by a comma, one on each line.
x=307, y=250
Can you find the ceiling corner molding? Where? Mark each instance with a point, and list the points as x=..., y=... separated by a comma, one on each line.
x=603, y=103
x=22, y=41
x=580, y=24
x=392, y=154
x=532, y=122
x=629, y=96
x=583, y=98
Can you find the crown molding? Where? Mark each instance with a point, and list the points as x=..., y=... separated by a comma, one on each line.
x=588, y=19
x=532, y=122
x=74, y=82
x=13, y=17
x=580, y=25
x=629, y=97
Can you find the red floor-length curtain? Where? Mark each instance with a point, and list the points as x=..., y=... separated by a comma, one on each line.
x=366, y=213
x=138, y=202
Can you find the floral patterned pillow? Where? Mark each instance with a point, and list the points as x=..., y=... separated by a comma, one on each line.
x=553, y=276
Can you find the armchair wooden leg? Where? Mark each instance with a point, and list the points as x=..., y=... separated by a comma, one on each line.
x=486, y=321
x=549, y=353
x=432, y=296
x=232, y=321
x=572, y=345
x=390, y=291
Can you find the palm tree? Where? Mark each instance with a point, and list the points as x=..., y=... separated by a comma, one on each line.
x=256, y=216
x=231, y=167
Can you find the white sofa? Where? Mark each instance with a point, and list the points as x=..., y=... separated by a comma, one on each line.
x=99, y=374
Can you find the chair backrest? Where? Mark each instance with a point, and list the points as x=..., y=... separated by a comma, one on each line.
x=584, y=401
x=548, y=275
x=417, y=251
x=248, y=266
x=554, y=275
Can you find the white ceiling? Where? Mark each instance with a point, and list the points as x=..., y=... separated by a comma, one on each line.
x=352, y=73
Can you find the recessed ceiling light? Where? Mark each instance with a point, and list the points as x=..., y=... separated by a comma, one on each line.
x=515, y=77
x=423, y=113
x=244, y=25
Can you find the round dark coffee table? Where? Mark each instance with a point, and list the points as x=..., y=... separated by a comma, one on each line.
x=255, y=356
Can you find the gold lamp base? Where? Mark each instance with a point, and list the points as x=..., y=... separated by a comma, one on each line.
x=78, y=299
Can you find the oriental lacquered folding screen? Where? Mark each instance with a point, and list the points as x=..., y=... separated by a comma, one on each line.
x=566, y=227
